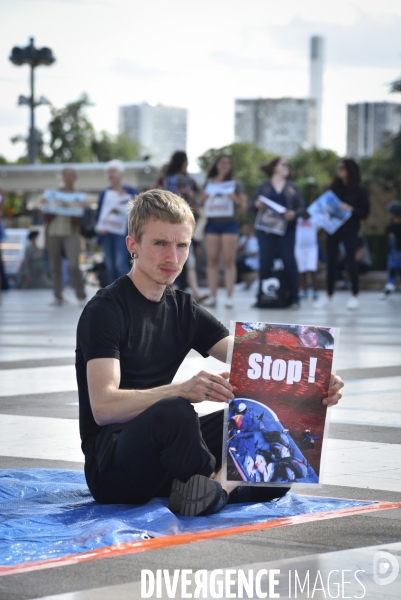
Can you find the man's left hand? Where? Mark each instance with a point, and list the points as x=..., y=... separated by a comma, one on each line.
x=333, y=393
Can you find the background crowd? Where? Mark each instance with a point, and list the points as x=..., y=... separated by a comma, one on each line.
x=231, y=237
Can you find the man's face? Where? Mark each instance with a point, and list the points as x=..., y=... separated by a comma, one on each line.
x=162, y=251
x=114, y=176
x=68, y=177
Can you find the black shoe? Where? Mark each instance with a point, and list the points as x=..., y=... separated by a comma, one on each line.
x=197, y=497
x=253, y=494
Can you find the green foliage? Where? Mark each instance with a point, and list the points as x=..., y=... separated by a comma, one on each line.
x=13, y=204
x=71, y=133
x=107, y=147
x=246, y=157
x=377, y=243
x=72, y=138
x=313, y=170
x=384, y=166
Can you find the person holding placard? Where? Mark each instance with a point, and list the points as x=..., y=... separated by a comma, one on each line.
x=223, y=197
x=140, y=433
x=63, y=225
x=111, y=221
x=278, y=190
x=346, y=185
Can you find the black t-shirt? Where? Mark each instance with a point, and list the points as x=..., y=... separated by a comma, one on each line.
x=359, y=200
x=150, y=339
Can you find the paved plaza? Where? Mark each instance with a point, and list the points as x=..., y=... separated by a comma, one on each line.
x=39, y=429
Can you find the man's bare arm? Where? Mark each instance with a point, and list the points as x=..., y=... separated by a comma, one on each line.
x=111, y=405
x=220, y=349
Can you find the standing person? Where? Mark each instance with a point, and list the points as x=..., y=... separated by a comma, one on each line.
x=174, y=178
x=393, y=232
x=221, y=231
x=62, y=236
x=281, y=190
x=306, y=255
x=140, y=433
x=33, y=274
x=347, y=186
x=111, y=221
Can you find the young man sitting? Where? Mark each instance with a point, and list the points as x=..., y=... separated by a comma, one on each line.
x=140, y=433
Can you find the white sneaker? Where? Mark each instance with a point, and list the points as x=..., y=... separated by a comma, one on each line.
x=324, y=302
x=353, y=303
x=229, y=303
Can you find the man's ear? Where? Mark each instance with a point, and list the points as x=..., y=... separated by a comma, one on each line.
x=132, y=245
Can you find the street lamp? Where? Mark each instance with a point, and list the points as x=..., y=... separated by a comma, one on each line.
x=34, y=57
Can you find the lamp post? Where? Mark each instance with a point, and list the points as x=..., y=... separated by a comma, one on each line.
x=34, y=57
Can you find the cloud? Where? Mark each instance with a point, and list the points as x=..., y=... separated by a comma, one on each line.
x=129, y=68
x=370, y=42
x=237, y=61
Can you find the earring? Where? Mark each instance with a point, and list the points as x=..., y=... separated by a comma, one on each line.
x=133, y=255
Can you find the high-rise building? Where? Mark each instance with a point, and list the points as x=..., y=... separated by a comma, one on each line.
x=161, y=130
x=278, y=125
x=370, y=125
x=316, y=83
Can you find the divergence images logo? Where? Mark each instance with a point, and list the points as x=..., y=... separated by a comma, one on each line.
x=382, y=562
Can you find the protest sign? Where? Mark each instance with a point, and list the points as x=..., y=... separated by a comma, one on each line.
x=219, y=204
x=70, y=204
x=326, y=212
x=270, y=219
x=275, y=426
x=113, y=214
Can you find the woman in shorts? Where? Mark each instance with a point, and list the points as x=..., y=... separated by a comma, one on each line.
x=221, y=205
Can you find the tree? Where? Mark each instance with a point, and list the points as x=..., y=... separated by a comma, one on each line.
x=71, y=133
x=313, y=170
x=106, y=147
x=246, y=157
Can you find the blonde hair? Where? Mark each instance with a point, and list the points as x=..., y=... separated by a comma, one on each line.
x=159, y=205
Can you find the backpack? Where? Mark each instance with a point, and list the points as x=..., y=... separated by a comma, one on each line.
x=273, y=290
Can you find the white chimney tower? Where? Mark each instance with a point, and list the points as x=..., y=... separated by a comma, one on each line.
x=316, y=82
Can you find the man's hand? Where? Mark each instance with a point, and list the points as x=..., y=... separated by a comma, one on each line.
x=333, y=393
x=207, y=386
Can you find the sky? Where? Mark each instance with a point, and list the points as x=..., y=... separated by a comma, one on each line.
x=199, y=56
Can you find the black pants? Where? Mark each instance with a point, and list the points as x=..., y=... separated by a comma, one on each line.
x=282, y=246
x=136, y=461
x=350, y=241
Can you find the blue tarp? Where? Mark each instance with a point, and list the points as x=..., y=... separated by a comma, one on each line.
x=50, y=513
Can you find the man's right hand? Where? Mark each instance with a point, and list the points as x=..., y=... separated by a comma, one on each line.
x=207, y=386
